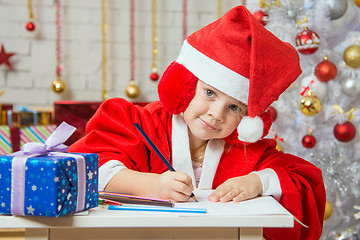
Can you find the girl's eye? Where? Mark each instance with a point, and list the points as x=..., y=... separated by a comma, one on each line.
x=234, y=108
x=209, y=93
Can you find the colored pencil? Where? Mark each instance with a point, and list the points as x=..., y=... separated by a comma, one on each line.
x=157, y=151
x=131, y=196
x=131, y=199
x=108, y=202
x=157, y=209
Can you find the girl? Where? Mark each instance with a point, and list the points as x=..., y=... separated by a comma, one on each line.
x=210, y=123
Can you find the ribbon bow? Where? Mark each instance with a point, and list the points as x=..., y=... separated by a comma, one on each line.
x=303, y=21
x=307, y=88
x=52, y=146
x=276, y=137
x=265, y=4
x=54, y=143
x=349, y=113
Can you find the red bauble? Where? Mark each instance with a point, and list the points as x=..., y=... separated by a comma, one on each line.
x=307, y=41
x=154, y=76
x=262, y=17
x=272, y=112
x=308, y=141
x=344, y=132
x=325, y=71
x=30, y=26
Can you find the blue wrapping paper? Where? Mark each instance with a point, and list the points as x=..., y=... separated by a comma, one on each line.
x=51, y=185
x=43, y=180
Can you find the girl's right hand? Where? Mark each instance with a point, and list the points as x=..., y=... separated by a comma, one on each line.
x=175, y=186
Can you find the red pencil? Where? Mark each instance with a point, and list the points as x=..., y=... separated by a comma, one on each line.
x=108, y=202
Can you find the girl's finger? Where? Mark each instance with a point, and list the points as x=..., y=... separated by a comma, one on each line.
x=178, y=197
x=184, y=178
x=244, y=195
x=217, y=194
x=182, y=188
x=228, y=196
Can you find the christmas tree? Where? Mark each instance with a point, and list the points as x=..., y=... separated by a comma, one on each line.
x=317, y=118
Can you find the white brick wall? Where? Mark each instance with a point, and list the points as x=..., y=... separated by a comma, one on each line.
x=34, y=65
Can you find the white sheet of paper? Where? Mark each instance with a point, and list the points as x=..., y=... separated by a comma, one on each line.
x=256, y=206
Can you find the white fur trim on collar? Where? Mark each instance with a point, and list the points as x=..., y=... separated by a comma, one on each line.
x=214, y=73
x=181, y=154
x=213, y=153
x=180, y=147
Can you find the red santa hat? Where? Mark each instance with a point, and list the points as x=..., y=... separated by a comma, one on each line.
x=239, y=57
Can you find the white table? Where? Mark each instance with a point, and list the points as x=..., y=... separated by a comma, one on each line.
x=100, y=223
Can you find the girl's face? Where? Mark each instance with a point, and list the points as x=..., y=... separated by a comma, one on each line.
x=213, y=114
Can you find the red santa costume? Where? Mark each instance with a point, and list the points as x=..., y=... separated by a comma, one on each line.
x=239, y=57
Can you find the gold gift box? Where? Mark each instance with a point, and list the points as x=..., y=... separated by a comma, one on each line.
x=29, y=117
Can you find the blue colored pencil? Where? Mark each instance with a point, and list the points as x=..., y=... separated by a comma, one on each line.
x=157, y=209
x=153, y=146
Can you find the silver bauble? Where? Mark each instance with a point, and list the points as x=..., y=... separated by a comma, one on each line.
x=351, y=87
x=337, y=8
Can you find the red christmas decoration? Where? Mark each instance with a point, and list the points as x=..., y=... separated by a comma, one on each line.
x=4, y=57
x=262, y=17
x=344, y=132
x=154, y=76
x=325, y=71
x=273, y=113
x=30, y=26
x=308, y=141
x=307, y=41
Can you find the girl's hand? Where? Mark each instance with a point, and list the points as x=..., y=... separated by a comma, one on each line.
x=238, y=189
x=175, y=186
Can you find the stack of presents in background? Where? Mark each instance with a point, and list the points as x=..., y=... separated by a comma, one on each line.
x=50, y=181
x=22, y=124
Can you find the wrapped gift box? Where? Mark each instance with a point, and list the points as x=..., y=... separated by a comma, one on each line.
x=52, y=185
x=9, y=139
x=35, y=134
x=13, y=138
x=23, y=116
x=44, y=180
x=4, y=107
x=77, y=113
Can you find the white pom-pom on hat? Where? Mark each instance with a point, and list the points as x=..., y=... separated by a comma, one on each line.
x=250, y=129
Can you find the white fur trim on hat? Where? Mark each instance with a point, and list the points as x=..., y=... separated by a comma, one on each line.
x=214, y=73
x=250, y=129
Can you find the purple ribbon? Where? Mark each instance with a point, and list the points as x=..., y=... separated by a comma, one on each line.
x=53, y=146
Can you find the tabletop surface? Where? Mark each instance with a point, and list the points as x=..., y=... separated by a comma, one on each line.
x=259, y=212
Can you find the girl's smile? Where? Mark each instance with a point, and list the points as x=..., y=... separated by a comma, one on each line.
x=207, y=125
x=212, y=114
